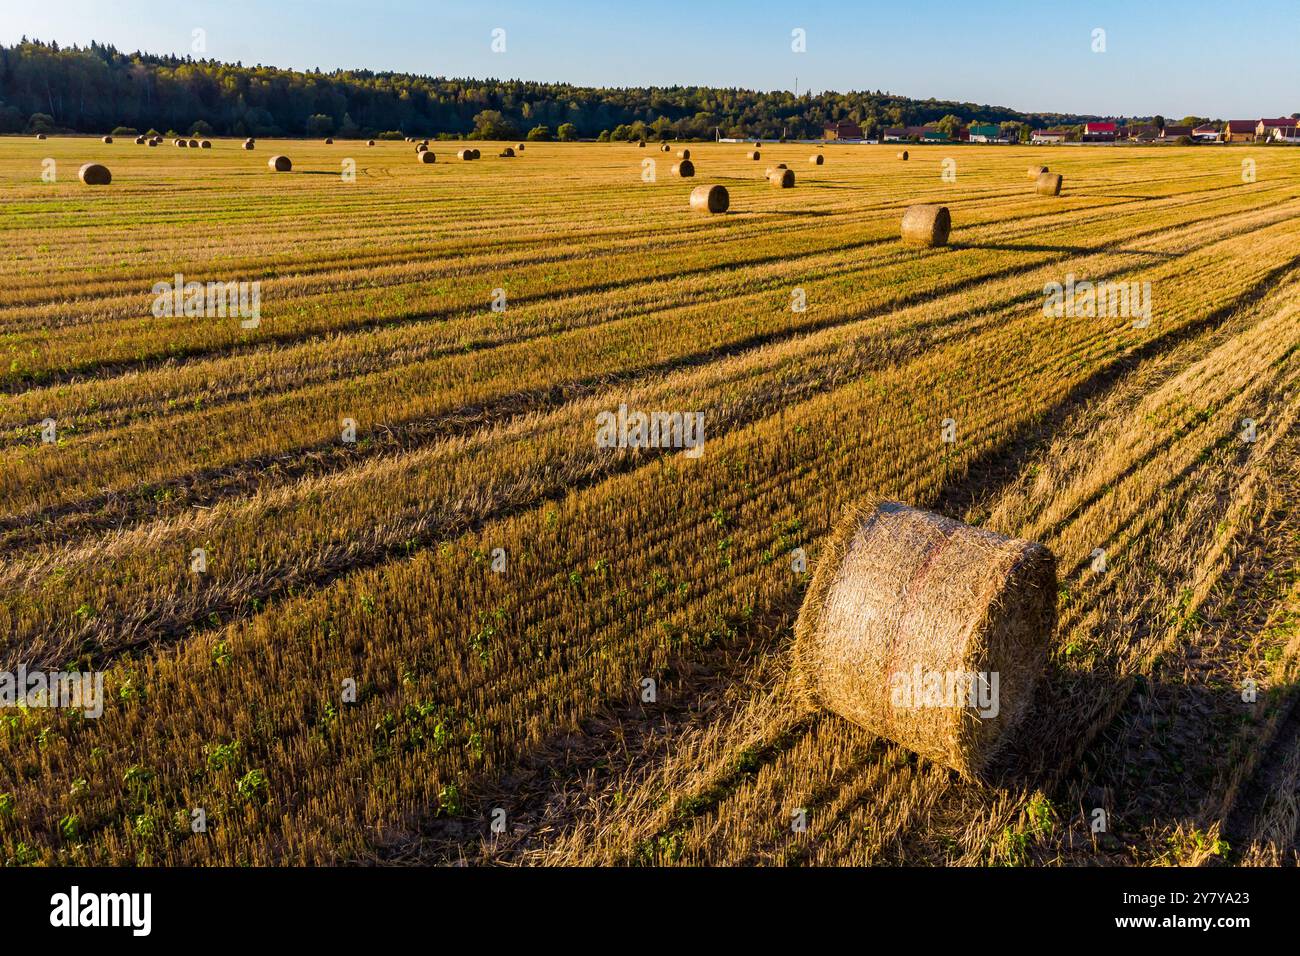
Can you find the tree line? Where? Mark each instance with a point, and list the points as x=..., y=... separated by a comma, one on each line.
x=99, y=89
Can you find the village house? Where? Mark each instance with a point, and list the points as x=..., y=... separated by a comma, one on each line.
x=1281, y=130
x=893, y=134
x=986, y=133
x=1047, y=136
x=1205, y=134
x=1240, y=131
x=1099, y=132
x=844, y=129
x=1175, y=130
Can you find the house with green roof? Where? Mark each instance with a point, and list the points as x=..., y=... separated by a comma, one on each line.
x=986, y=133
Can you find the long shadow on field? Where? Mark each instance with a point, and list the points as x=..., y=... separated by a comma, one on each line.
x=1075, y=705
x=1065, y=250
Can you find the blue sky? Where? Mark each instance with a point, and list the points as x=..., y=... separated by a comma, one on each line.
x=1223, y=59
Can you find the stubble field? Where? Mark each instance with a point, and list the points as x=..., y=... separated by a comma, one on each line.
x=508, y=685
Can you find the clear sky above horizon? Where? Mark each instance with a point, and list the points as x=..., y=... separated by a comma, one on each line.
x=1216, y=59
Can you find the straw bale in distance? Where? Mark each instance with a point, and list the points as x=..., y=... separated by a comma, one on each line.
x=280, y=164
x=425, y=156
x=249, y=144
x=40, y=136
x=506, y=152
x=108, y=139
x=641, y=143
x=816, y=159
x=467, y=154
x=154, y=142
x=420, y=147
x=520, y=147
x=370, y=142
x=902, y=596
x=664, y=148
x=753, y=154
x=782, y=178
x=903, y=155
x=95, y=174
x=205, y=144
x=139, y=141
x=329, y=141
x=194, y=143
x=927, y=225
x=712, y=199
x=683, y=154
x=1048, y=184
x=685, y=169
x=1036, y=171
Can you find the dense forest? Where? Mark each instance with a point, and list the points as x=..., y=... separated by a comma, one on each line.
x=48, y=88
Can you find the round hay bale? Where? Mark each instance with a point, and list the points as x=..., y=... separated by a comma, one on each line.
x=425, y=156
x=40, y=136
x=685, y=169
x=506, y=153
x=781, y=178
x=817, y=159
x=155, y=142
x=927, y=631
x=1048, y=184
x=181, y=143
x=370, y=142
x=711, y=199
x=641, y=143
x=903, y=155
x=249, y=144
x=93, y=174
x=1036, y=171
x=329, y=141
x=107, y=139
x=753, y=154
x=683, y=154
x=664, y=148
x=205, y=144
x=420, y=148
x=139, y=141
x=757, y=144
x=280, y=164
x=194, y=143
x=467, y=154
x=520, y=147
x=927, y=225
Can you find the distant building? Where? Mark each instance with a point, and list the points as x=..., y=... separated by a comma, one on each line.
x=1047, y=136
x=1138, y=132
x=1206, y=134
x=986, y=133
x=1240, y=131
x=1099, y=132
x=1275, y=129
x=842, y=130
x=1175, y=130
x=894, y=134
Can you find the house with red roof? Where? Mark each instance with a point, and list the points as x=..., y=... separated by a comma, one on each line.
x=1279, y=130
x=1099, y=132
x=1240, y=131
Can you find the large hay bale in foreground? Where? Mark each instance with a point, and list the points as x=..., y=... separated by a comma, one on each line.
x=753, y=154
x=1048, y=184
x=1036, y=171
x=816, y=159
x=927, y=631
x=107, y=139
x=94, y=174
x=425, y=156
x=280, y=164
x=903, y=155
x=781, y=178
x=927, y=225
x=712, y=199
x=684, y=169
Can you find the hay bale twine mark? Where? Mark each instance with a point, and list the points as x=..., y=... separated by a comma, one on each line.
x=95, y=174
x=1048, y=184
x=903, y=155
x=1036, y=171
x=927, y=224
x=424, y=156
x=817, y=159
x=683, y=154
x=685, y=169
x=903, y=597
x=781, y=178
x=280, y=164
x=107, y=139
x=754, y=155
x=710, y=199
